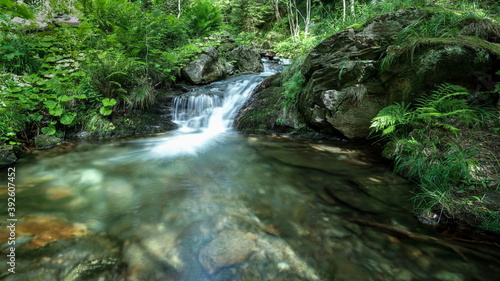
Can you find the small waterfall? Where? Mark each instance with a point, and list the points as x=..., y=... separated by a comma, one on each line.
x=206, y=113
x=212, y=108
x=192, y=112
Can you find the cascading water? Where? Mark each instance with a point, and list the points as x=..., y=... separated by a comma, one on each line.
x=245, y=208
x=207, y=112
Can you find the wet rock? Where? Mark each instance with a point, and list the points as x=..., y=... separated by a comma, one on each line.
x=7, y=155
x=46, y=229
x=247, y=59
x=358, y=200
x=389, y=189
x=90, y=257
x=57, y=193
x=134, y=122
x=91, y=269
x=262, y=112
x=90, y=177
x=46, y=141
x=208, y=67
x=229, y=248
x=449, y=276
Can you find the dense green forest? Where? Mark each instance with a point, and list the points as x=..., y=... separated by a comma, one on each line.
x=60, y=76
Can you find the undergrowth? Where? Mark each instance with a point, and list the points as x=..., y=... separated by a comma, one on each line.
x=426, y=142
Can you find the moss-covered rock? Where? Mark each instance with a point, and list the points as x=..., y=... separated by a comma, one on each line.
x=265, y=113
x=353, y=74
x=7, y=155
x=132, y=122
x=46, y=141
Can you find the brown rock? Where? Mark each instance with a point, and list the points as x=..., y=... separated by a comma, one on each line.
x=229, y=248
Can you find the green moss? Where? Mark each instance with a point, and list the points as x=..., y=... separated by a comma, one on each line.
x=46, y=141
x=471, y=42
x=357, y=26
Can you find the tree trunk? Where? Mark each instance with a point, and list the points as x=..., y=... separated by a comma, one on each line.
x=307, y=22
x=179, y=8
x=344, y=13
x=277, y=9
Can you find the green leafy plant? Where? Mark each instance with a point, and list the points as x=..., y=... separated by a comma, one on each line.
x=416, y=136
x=294, y=83
x=203, y=17
x=106, y=106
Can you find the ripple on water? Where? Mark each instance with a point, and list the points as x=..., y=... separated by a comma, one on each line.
x=258, y=208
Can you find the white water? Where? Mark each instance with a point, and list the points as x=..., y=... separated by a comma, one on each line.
x=205, y=114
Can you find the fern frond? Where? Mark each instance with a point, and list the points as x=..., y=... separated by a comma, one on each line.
x=448, y=127
x=390, y=117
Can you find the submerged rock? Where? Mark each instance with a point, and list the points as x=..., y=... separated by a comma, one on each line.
x=229, y=248
x=92, y=257
x=46, y=229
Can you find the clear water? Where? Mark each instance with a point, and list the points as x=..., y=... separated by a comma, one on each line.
x=206, y=203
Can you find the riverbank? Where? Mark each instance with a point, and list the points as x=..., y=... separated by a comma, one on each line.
x=415, y=91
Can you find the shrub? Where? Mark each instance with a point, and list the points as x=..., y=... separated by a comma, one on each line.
x=423, y=149
x=203, y=17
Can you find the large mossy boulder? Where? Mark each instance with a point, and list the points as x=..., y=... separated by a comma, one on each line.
x=134, y=122
x=350, y=76
x=247, y=59
x=208, y=67
x=262, y=113
x=353, y=74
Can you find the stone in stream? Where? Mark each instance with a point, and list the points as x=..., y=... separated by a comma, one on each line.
x=208, y=67
x=229, y=248
x=45, y=229
x=7, y=155
x=92, y=257
x=46, y=141
x=247, y=59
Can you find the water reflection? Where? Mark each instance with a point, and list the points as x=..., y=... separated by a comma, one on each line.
x=243, y=208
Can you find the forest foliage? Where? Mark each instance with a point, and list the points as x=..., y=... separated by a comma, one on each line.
x=57, y=78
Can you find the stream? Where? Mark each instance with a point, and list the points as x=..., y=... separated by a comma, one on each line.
x=204, y=203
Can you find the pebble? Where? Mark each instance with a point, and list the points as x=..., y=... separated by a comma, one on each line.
x=229, y=248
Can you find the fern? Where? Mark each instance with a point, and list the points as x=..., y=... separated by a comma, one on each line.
x=390, y=117
x=444, y=105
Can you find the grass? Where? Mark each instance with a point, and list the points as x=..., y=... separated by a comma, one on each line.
x=293, y=85
x=447, y=148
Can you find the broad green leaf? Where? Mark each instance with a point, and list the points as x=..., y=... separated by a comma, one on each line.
x=36, y=117
x=68, y=118
x=48, y=130
x=56, y=111
x=105, y=111
x=50, y=104
x=65, y=98
x=7, y=3
x=388, y=130
x=108, y=102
